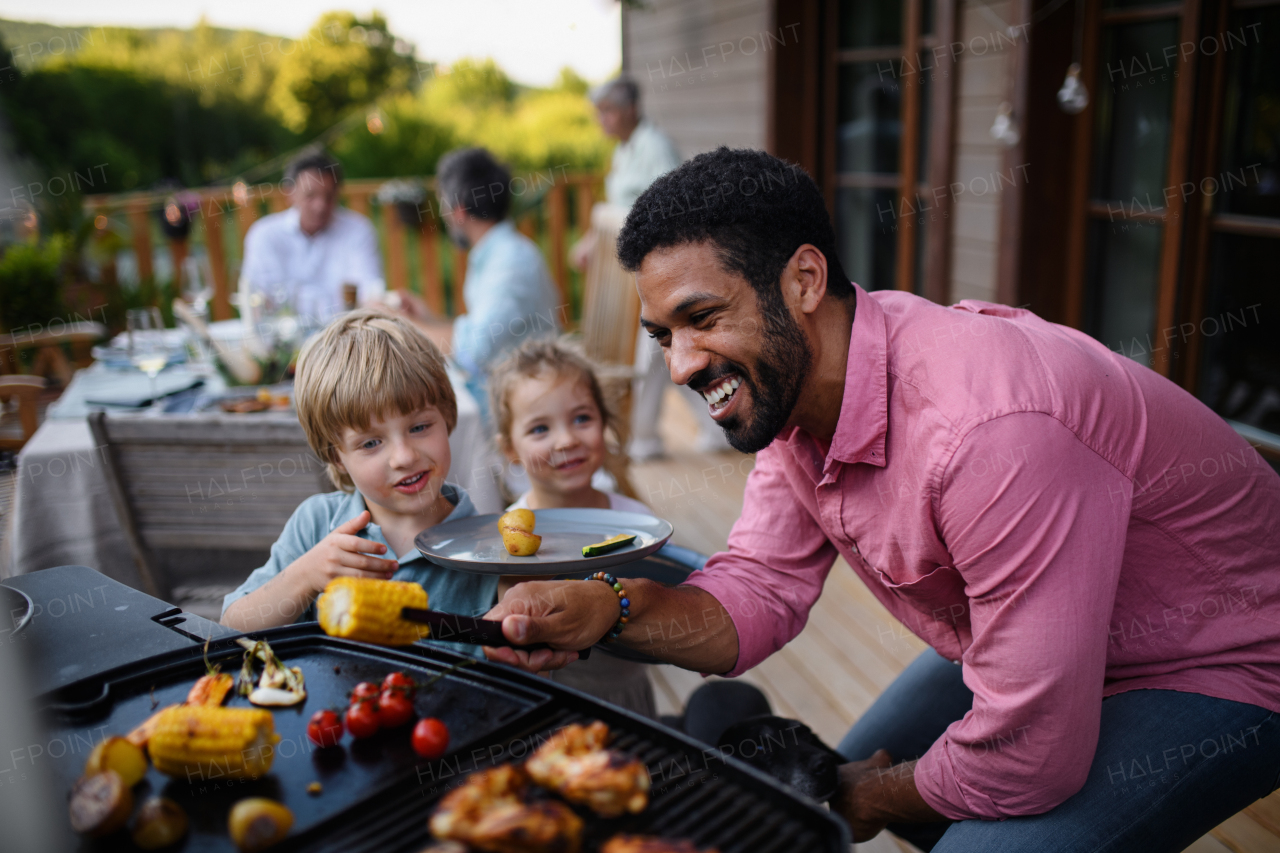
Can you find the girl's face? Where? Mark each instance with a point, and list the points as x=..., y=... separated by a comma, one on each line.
x=557, y=432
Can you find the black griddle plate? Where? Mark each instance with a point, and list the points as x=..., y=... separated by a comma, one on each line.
x=378, y=794
x=476, y=706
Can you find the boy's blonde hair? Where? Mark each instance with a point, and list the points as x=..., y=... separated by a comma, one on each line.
x=366, y=364
x=529, y=361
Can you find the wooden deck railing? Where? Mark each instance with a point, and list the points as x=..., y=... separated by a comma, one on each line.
x=416, y=253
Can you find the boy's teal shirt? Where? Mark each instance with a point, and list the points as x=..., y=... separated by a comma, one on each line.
x=316, y=517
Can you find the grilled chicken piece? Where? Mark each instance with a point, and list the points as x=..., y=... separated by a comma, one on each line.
x=488, y=812
x=576, y=764
x=650, y=844
x=545, y=827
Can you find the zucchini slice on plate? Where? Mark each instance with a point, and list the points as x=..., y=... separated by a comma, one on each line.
x=613, y=543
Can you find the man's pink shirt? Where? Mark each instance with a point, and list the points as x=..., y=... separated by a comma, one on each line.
x=1062, y=520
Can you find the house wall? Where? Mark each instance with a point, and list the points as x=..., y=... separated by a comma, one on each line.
x=705, y=85
x=702, y=69
x=985, y=80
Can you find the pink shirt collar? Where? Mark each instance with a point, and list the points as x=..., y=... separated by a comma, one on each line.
x=864, y=410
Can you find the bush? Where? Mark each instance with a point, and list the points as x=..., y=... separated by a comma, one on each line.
x=31, y=276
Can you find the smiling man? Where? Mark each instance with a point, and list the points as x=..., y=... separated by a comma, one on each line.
x=300, y=258
x=1090, y=553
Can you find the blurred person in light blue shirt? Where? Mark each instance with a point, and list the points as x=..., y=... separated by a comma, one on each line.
x=508, y=292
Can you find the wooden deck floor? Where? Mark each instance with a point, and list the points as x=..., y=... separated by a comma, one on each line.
x=851, y=649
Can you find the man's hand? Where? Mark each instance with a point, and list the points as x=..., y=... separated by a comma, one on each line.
x=413, y=306
x=342, y=553
x=682, y=625
x=580, y=253
x=568, y=615
x=876, y=792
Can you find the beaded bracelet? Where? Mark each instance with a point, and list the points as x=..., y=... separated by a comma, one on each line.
x=622, y=600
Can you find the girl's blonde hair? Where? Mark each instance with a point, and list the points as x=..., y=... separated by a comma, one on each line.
x=366, y=364
x=532, y=359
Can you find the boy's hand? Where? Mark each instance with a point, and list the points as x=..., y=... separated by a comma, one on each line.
x=343, y=553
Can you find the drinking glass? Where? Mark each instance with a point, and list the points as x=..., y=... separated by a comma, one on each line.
x=147, y=349
x=196, y=285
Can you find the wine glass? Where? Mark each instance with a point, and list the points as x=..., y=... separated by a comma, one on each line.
x=147, y=349
x=196, y=289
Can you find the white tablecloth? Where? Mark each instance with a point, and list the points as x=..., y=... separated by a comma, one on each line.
x=63, y=514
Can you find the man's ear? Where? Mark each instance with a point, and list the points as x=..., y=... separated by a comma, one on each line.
x=804, y=280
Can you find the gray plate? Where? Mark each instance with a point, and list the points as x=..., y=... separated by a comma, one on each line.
x=474, y=544
x=16, y=612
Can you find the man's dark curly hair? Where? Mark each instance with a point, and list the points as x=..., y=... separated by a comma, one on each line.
x=755, y=208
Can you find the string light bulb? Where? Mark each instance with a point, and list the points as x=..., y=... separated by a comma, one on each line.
x=1073, y=97
x=1005, y=130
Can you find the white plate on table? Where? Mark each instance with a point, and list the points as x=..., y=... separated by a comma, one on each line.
x=475, y=545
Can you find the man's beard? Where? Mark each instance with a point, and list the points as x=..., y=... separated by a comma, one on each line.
x=780, y=372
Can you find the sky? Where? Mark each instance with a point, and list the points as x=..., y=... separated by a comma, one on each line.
x=531, y=39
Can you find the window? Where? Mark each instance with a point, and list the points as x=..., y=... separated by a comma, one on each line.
x=1177, y=215
x=1238, y=374
x=887, y=84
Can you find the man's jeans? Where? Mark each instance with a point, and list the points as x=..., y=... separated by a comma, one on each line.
x=1168, y=768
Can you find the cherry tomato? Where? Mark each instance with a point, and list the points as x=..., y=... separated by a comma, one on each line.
x=397, y=681
x=365, y=690
x=325, y=728
x=394, y=709
x=362, y=719
x=430, y=738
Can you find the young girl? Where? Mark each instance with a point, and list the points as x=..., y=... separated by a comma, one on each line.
x=551, y=418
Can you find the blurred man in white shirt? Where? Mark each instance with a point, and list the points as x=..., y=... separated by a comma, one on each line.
x=643, y=154
x=300, y=258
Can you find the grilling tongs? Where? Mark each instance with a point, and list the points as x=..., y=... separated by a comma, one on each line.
x=450, y=627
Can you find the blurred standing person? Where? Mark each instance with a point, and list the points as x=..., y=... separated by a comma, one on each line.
x=300, y=258
x=643, y=154
x=508, y=290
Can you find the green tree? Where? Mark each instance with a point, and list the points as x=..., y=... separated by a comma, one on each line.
x=410, y=143
x=569, y=81
x=480, y=84
x=342, y=63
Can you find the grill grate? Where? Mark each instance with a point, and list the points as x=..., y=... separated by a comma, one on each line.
x=381, y=798
x=709, y=803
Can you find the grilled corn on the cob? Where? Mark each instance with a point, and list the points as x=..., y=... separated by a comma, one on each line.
x=368, y=610
x=193, y=742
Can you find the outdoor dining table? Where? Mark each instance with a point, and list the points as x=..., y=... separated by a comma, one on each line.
x=63, y=512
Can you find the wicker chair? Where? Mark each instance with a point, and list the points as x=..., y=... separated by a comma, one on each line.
x=27, y=390
x=610, y=323
x=50, y=359
x=227, y=482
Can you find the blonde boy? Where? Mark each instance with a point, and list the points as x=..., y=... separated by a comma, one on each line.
x=377, y=407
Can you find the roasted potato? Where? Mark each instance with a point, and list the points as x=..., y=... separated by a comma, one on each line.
x=520, y=519
x=100, y=804
x=257, y=823
x=517, y=533
x=160, y=822
x=520, y=543
x=120, y=755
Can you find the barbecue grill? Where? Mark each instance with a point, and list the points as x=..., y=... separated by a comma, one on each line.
x=377, y=794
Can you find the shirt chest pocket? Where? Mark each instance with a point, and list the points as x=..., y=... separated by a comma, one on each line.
x=940, y=599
